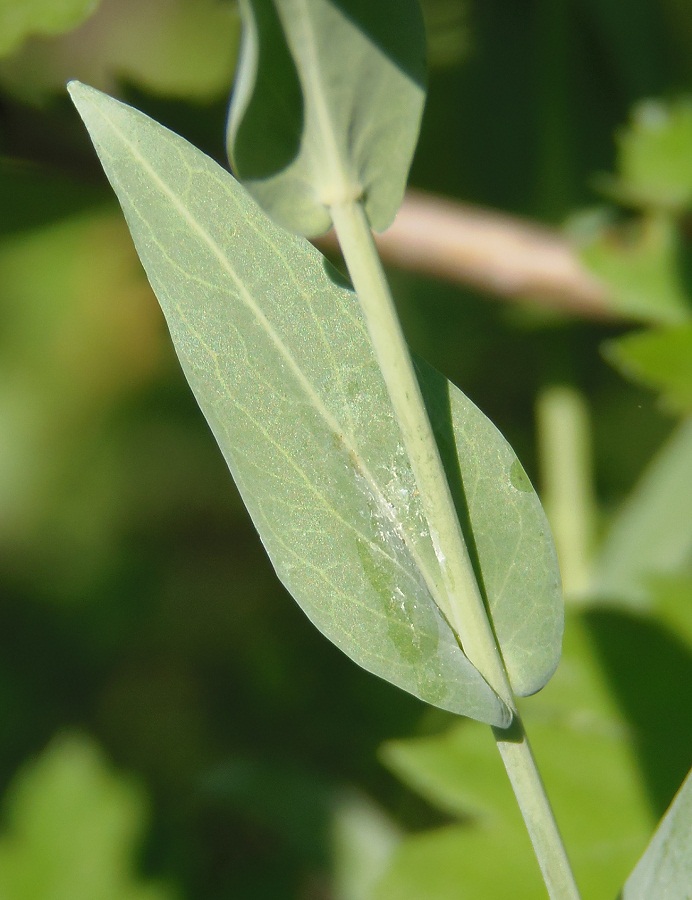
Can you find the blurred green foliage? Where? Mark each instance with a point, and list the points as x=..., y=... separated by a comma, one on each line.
x=19, y=21
x=660, y=359
x=72, y=827
x=136, y=603
x=608, y=793
x=177, y=48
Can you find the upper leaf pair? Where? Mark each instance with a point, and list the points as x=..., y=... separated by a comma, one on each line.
x=327, y=106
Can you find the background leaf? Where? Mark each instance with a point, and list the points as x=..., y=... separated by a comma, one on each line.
x=455, y=861
x=174, y=48
x=660, y=359
x=651, y=535
x=327, y=106
x=19, y=19
x=363, y=839
x=73, y=829
x=654, y=156
x=61, y=510
x=585, y=749
x=644, y=262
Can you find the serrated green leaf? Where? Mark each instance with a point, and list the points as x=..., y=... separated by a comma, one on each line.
x=665, y=869
x=73, y=829
x=652, y=534
x=327, y=106
x=641, y=264
x=655, y=156
x=280, y=362
x=660, y=360
x=19, y=19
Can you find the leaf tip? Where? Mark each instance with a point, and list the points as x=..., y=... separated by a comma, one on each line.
x=74, y=88
x=81, y=94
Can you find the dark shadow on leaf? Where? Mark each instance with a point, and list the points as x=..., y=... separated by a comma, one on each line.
x=650, y=672
x=435, y=389
x=395, y=27
x=335, y=275
x=268, y=135
x=265, y=133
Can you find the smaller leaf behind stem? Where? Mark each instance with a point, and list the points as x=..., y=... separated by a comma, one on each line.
x=327, y=106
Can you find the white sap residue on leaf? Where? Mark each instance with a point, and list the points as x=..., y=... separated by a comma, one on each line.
x=439, y=553
x=402, y=492
x=399, y=600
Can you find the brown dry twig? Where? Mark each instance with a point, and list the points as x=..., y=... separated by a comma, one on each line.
x=494, y=253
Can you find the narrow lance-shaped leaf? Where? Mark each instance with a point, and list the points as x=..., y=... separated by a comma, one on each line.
x=652, y=533
x=665, y=869
x=327, y=106
x=281, y=365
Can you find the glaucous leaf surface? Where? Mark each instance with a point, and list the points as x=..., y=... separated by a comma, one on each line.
x=279, y=359
x=506, y=531
x=327, y=106
x=665, y=869
x=660, y=359
x=281, y=365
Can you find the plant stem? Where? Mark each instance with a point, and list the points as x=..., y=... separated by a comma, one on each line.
x=522, y=771
x=467, y=613
x=467, y=610
x=565, y=455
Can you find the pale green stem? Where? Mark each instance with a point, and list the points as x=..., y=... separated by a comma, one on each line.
x=467, y=611
x=564, y=441
x=539, y=819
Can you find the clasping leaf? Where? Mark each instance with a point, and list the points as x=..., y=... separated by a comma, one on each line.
x=327, y=106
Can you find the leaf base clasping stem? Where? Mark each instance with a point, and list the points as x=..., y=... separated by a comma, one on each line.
x=466, y=612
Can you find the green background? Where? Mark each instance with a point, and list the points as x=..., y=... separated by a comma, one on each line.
x=159, y=692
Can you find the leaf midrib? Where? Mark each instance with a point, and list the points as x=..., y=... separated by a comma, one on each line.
x=437, y=594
